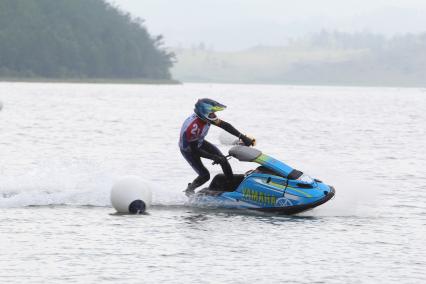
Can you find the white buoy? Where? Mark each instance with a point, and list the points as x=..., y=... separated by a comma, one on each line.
x=1, y=105
x=131, y=195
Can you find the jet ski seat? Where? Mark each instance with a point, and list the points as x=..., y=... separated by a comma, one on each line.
x=219, y=183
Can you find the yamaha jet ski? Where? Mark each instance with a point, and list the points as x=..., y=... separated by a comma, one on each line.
x=272, y=187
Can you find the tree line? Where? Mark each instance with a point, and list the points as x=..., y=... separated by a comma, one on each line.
x=77, y=39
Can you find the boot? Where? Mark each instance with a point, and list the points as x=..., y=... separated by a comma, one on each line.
x=190, y=190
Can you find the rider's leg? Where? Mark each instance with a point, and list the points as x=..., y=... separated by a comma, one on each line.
x=226, y=167
x=203, y=174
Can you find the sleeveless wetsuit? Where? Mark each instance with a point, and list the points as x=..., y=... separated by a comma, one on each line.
x=193, y=129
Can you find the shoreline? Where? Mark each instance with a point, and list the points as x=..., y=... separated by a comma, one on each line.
x=91, y=81
x=180, y=82
x=312, y=84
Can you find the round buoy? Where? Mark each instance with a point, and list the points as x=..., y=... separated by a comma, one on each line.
x=131, y=195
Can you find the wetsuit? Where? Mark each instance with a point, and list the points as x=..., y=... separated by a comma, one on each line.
x=193, y=147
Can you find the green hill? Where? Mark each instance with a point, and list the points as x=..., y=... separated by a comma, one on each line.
x=323, y=59
x=77, y=39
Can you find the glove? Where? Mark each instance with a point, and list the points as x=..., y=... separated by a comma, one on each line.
x=247, y=140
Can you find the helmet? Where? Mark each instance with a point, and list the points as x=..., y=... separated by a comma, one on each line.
x=206, y=108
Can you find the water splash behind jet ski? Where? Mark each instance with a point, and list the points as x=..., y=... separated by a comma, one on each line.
x=271, y=187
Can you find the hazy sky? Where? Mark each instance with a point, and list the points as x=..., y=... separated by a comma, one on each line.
x=238, y=24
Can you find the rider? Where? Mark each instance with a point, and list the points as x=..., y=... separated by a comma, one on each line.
x=193, y=146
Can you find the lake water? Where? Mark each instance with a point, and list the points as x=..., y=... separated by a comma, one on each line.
x=62, y=146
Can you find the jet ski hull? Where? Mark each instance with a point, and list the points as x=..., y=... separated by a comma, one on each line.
x=272, y=187
x=289, y=210
x=253, y=194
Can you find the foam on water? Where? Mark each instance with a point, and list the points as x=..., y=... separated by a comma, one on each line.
x=76, y=186
x=87, y=184
x=354, y=196
x=54, y=186
x=83, y=185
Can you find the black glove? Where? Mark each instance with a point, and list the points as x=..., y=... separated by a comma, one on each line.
x=247, y=140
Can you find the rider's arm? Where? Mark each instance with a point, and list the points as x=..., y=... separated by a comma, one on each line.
x=228, y=127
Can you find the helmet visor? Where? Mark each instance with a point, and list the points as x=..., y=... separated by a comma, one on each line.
x=218, y=108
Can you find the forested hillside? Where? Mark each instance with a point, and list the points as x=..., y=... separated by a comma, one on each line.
x=77, y=39
x=327, y=58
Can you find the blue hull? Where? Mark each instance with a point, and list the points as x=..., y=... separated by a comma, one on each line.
x=272, y=187
x=264, y=198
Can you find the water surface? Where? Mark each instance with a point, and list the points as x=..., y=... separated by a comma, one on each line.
x=62, y=146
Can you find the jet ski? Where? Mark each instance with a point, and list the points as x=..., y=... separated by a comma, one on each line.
x=272, y=187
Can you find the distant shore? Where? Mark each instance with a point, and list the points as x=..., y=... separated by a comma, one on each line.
x=177, y=82
x=91, y=81
x=313, y=84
